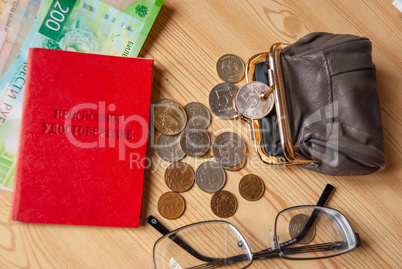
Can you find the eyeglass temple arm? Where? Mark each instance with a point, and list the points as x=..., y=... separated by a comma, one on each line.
x=325, y=195
x=157, y=225
x=321, y=202
x=164, y=231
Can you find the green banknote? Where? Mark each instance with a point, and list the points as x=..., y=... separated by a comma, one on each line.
x=15, y=23
x=89, y=26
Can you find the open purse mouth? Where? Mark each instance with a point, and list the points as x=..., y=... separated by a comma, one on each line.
x=276, y=90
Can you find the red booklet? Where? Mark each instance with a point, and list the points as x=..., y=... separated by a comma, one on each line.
x=83, y=139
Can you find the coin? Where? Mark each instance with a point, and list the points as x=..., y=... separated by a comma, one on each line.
x=251, y=187
x=222, y=100
x=296, y=225
x=209, y=154
x=170, y=118
x=168, y=148
x=224, y=204
x=210, y=177
x=197, y=115
x=194, y=141
x=165, y=100
x=229, y=149
x=179, y=177
x=237, y=167
x=230, y=68
x=171, y=205
x=248, y=100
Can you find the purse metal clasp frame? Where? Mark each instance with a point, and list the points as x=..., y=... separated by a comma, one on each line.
x=276, y=88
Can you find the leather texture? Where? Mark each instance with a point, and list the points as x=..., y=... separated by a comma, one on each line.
x=333, y=105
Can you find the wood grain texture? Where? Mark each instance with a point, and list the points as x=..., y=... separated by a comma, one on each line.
x=186, y=41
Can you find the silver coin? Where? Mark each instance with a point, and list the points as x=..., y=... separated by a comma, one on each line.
x=230, y=68
x=210, y=177
x=229, y=150
x=194, y=141
x=222, y=100
x=168, y=148
x=296, y=225
x=248, y=100
x=197, y=115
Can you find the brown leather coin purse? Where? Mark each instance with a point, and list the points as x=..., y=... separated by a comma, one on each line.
x=327, y=112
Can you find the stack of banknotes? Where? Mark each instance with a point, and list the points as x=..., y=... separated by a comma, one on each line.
x=89, y=26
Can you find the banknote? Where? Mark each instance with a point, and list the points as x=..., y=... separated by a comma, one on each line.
x=16, y=22
x=89, y=26
x=19, y=15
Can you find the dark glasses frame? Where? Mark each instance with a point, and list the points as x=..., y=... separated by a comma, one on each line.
x=281, y=250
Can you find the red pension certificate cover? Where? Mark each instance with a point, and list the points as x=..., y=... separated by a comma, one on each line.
x=83, y=139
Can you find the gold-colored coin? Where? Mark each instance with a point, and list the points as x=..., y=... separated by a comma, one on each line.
x=251, y=187
x=170, y=118
x=209, y=153
x=237, y=167
x=224, y=204
x=179, y=177
x=171, y=205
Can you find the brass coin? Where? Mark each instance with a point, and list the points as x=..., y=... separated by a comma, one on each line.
x=171, y=205
x=179, y=177
x=251, y=187
x=209, y=153
x=237, y=167
x=296, y=225
x=224, y=204
x=170, y=118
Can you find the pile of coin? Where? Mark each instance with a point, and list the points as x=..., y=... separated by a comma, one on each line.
x=253, y=100
x=184, y=132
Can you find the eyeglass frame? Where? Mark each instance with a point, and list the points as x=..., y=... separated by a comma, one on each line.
x=266, y=253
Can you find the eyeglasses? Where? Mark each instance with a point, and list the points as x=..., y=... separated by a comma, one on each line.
x=301, y=232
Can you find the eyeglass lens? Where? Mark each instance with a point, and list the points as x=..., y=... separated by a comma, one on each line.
x=212, y=242
x=329, y=235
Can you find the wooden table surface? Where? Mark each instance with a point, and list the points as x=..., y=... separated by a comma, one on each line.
x=186, y=40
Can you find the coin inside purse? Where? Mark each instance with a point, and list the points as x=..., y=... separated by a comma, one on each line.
x=271, y=134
